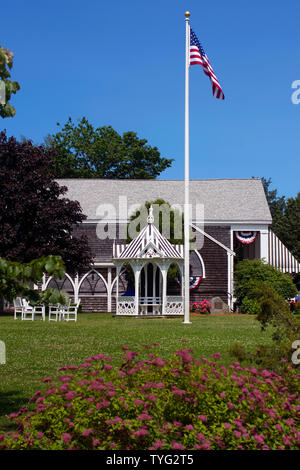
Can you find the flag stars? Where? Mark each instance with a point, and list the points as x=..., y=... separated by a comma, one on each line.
x=198, y=56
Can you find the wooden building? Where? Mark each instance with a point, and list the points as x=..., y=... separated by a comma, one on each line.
x=228, y=216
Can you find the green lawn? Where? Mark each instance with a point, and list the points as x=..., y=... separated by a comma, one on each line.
x=35, y=350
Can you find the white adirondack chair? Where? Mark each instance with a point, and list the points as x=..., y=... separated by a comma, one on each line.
x=18, y=308
x=54, y=312
x=39, y=310
x=70, y=312
x=28, y=311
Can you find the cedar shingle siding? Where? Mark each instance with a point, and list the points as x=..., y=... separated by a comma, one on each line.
x=225, y=203
x=94, y=298
x=215, y=261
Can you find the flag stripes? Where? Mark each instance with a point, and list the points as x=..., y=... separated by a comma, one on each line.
x=198, y=56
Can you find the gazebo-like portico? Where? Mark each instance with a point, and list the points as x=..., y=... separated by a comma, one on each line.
x=150, y=256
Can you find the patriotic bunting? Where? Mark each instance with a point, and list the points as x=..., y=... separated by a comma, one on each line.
x=194, y=281
x=246, y=237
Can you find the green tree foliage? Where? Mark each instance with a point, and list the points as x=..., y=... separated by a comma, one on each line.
x=169, y=221
x=287, y=227
x=274, y=311
x=11, y=87
x=36, y=220
x=16, y=279
x=276, y=203
x=250, y=272
x=286, y=217
x=85, y=152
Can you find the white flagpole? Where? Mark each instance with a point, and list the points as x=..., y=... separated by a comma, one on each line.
x=186, y=178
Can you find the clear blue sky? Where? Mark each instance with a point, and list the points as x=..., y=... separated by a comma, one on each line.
x=121, y=63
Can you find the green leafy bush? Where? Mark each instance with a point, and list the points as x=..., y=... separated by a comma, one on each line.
x=16, y=279
x=179, y=403
x=275, y=311
x=271, y=357
x=250, y=306
x=272, y=311
x=249, y=273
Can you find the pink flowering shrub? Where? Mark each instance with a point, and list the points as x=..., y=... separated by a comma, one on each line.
x=202, y=307
x=179, y=403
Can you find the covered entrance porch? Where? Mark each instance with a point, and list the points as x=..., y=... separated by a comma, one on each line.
x=149, y=297
x=149, y=258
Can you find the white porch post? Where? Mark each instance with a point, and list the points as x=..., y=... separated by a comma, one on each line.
x=44, y=282
x=229, y=279
x=137, y=271
x=76, y=288
x=109, y=290
x=164, y=273
x=182, y=282
x=264, y=244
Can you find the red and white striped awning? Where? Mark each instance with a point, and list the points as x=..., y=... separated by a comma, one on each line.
x=280, y=257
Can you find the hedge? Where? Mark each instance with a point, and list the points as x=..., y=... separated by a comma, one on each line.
x=177, y=403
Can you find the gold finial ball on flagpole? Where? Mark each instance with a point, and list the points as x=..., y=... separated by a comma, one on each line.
x=187, y=14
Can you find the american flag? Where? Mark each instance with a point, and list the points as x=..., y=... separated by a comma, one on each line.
x=198, y=56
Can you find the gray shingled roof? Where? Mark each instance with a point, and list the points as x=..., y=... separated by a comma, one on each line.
x=232, y=200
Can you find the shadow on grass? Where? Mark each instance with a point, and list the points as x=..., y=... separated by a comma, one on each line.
x=6, y=314
x=11, y=402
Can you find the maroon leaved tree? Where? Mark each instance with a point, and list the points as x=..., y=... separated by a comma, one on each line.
x=35, y=218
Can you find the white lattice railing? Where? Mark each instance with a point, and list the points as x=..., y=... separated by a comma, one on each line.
x=174, y=305
x=126, y=306
x=150, y=301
